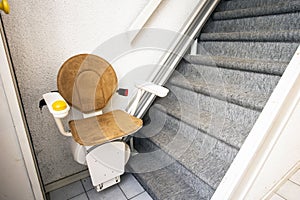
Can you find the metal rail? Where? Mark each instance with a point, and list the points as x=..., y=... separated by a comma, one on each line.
x=190, y=31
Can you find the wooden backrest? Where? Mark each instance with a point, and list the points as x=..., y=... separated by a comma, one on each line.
x=87, y=82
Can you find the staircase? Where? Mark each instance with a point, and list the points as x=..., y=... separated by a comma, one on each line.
x=193, y=135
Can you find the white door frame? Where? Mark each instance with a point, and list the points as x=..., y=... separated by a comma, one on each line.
x=18, y=119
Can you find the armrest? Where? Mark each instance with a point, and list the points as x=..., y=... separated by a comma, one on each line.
x=147, y=87
x=56, y=104
x=59, y=108
x=153, y=88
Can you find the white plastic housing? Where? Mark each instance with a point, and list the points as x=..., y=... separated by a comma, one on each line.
x=107, y=162
x=50, y=98
x=147, y=87
x=153, y=88
x=79, y=152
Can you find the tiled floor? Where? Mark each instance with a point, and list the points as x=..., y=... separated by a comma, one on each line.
x=128, y=188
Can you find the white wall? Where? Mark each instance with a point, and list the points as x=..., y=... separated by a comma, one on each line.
x=43, y=34
x=283, y=157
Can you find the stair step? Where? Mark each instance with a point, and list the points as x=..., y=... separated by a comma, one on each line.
x=258, y=66
x=288, y=21
x=262, y=36
x=280, y=8
x=242, y=4
x=152, y=158
x=243, y=97
x=268, y=51
x=217, y=108
x=164, y=184
x=213, y=124
x=204, y=156
x=199, y=153
x=244, y=80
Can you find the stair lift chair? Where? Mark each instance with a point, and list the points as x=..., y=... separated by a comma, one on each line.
x=87, y=83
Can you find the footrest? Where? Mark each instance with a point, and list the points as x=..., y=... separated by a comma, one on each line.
x=106, y=163
x=107, y=184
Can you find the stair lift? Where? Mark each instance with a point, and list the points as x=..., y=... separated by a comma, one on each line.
x=87, y=83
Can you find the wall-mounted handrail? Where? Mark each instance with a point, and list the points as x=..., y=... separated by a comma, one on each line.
x=143, y=17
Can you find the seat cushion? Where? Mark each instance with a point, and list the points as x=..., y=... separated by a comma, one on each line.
x=103, y=128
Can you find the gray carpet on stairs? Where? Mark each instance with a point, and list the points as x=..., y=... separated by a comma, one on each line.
x=215, y=98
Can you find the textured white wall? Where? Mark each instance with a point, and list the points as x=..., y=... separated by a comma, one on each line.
x=41, y=36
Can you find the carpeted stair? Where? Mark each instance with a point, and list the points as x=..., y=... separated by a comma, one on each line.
x=215, y=98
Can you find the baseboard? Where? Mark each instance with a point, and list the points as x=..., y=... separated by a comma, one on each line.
x=67, y=180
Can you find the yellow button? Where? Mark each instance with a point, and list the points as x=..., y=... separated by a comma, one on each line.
x=59, y=105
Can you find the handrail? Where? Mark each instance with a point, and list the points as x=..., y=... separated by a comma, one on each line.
x=171, y=59
x=143, y=17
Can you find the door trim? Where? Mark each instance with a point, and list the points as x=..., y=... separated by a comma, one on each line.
x=17, y=113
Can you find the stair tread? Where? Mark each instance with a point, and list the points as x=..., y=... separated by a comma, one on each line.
x=217, y=126
x=243, y=97
x=283, y=21
x=260, y=66
x=163, y=184
x=242, y=4
x=204, y=156
x=230, y=111
x=268, y=51
x=279, y=8
x=262, y=36
x=155, y=159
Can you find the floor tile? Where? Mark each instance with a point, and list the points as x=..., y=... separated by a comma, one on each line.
x=67, y=192
x=143, y=196
x=110, y=193
x=82, y=196
x=87, y=183
x=130, y=186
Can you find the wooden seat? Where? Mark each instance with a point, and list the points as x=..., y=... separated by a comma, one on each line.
x=104, y=128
